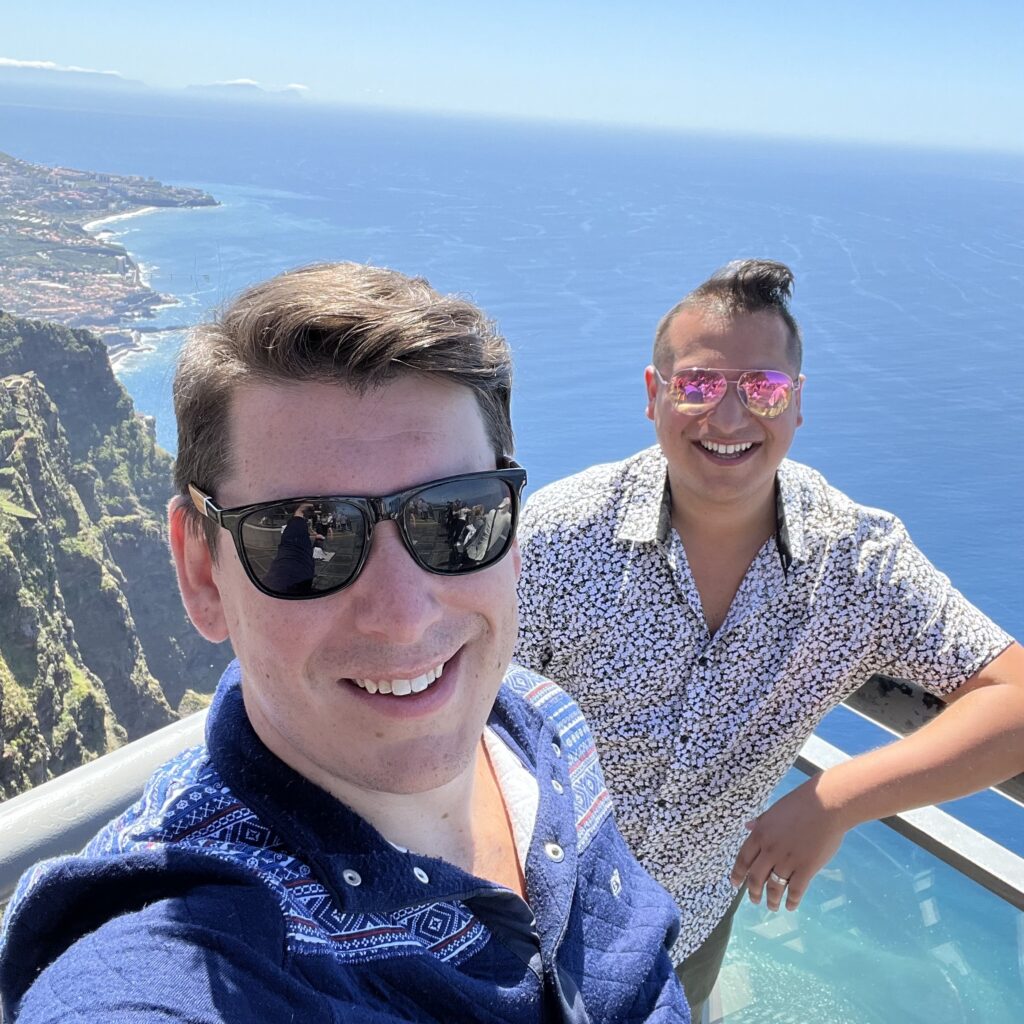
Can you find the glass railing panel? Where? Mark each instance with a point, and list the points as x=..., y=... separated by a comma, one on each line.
x=887, y=933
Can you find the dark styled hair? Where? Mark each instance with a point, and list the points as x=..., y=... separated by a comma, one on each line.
x=738, y=288
x=343, y=323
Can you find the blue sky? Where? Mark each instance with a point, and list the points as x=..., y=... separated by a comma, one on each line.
x=942, y=72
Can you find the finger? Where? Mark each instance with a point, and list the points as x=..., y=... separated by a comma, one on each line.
x=744, y=859
x=757, y=876
x=795, y=890
x=775, y=888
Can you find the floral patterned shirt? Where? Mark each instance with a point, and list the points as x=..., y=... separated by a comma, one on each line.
x=695, y=730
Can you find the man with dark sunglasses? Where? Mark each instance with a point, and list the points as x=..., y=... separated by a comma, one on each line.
x=387, y=822
x=708, y=601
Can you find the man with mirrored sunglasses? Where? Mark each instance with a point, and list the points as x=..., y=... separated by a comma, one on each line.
x=387, y=821
x=708, y=601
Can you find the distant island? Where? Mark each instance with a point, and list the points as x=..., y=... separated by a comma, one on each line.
x=55, y=265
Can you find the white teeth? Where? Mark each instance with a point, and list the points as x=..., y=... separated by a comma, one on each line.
x=402, y=687
x=726, y=449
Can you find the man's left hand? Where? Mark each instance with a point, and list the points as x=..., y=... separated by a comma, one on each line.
x=787, y=846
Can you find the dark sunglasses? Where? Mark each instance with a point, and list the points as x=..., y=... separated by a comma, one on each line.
x=696, y=390
x=301, y=548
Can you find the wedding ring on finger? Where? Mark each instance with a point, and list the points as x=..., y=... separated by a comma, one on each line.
x=778, y=879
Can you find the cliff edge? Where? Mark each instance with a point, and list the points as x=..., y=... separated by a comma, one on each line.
x=94, y=646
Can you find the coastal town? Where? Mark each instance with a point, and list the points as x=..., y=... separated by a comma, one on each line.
x=57, y=264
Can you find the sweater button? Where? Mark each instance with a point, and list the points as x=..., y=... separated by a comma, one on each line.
x=554, y=852
x=353, y=878
x=421, y=875
x=557, y=748
x=557, y=787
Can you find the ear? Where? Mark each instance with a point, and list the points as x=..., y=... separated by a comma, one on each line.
x=799, y=395
x=517, y=558
x=651, y=383
x=194, y=566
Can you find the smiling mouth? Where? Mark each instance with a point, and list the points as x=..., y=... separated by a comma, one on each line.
x=727, y=451
x=402, y=687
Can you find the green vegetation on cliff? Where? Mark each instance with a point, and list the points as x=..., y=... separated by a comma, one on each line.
x=94, y=646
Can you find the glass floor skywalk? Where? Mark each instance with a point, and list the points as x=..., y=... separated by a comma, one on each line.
x=887, y=934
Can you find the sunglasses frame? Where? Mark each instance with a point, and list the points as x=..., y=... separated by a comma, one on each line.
x=373, y=510
x=794, y=386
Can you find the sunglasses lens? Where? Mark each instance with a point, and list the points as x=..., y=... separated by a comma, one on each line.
x=296, y=550
x=765, y=393
x=696, y=391
x=318, y=545
x=461, y=525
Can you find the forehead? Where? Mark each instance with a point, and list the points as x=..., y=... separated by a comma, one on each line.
x=311, y=438
x=747, y=341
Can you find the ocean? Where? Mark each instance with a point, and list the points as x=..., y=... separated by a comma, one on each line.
x=910, y=289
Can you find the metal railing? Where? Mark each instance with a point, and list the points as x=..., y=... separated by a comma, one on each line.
x=981, y=859
x=62, y=815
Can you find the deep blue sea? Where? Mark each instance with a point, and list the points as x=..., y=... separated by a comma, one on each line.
x=909, y=268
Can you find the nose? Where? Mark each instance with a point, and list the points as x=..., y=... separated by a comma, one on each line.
x=393, y=598
x=730, y=415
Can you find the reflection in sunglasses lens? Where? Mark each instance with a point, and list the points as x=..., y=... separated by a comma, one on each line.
x=695, y=388
x=301, y=549
x=457, y=527
x=766, y=392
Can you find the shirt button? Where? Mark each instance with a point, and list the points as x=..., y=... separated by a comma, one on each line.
x=554, y=852
x=421, y=875
x=557, y=787
x=702, y=661
x=352, y=877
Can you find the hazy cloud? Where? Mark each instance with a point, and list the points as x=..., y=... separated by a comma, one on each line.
x=49, y=65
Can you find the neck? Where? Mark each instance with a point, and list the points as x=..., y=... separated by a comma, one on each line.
x=437, y=822
x=723, y=523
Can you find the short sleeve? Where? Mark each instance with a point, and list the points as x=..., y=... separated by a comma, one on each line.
x=927, y=630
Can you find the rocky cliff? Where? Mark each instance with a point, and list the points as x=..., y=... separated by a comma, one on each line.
x=94, y=646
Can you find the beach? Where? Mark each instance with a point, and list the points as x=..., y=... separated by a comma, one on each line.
x=95, y=227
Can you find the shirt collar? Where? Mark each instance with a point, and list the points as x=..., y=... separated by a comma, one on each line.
x=789, y=517
x=644, y=511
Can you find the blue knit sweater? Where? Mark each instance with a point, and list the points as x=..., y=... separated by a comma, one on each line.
x=237, y=891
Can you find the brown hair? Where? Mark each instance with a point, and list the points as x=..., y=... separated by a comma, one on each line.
x=344, y=323
x=740, y=287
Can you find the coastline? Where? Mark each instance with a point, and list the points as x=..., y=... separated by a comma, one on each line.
x=122, y=345
x=92, y=226
x=61, y=258
x=129, y=338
